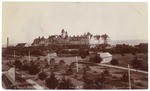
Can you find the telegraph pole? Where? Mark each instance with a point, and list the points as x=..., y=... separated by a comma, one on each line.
x=29, y=55
x=7, y=42
x=14, y=66
x=14, y=55
x=48, y=57
x=129, y=76
x=77, y=64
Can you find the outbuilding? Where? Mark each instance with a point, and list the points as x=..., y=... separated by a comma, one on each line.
x=106, y=56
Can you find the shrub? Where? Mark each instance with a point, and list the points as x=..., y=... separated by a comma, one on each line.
x=125, y=77
x=51, y=82
x=18, y=64
x=69, y=72
x=96, y=59
x=137, y=64
x=65, y=84
x=42, y=75
x=114, y=62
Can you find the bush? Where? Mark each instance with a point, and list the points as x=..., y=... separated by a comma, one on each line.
x=87, y=68
x=62, y=63
x=96, y=59
x=25, y=67
x=18, y=64
x=106, y=72
x=65, y=84
x=125, y=77
x=72, y=65
x=51, y=82
x=42, y=75
x=52, y=62
x=137, y=64
x=56, y=67
x=33, y=69
x=114, y=62
x=69, y=72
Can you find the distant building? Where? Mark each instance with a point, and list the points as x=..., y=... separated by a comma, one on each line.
x=64, y=39
x=21, y=45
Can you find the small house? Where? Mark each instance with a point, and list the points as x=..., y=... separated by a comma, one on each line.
x=106, y=56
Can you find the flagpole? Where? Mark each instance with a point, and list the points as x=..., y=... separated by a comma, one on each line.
x=77, y=63
x=129, y=76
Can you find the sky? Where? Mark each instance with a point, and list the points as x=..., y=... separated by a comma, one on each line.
x=23, y=22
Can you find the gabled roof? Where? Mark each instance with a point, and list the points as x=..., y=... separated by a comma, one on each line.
x=21, y=45
x=105, y=54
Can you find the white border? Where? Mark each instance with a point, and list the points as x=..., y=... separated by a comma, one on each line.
x=69, y=1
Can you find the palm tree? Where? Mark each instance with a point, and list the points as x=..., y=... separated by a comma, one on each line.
x=105, y=37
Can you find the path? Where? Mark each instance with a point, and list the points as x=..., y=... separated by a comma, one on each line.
x=36, y=86
x=124, y=68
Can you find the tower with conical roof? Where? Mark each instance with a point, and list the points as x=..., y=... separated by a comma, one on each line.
x=63, y=33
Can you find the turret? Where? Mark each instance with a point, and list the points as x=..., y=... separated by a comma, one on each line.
x=63, y=33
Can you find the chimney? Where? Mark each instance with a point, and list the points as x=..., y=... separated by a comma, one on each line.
x=7, y=42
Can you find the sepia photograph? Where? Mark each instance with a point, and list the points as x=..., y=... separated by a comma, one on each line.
x=74, y=46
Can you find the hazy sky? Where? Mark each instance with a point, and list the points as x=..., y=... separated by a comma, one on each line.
x=23, y=22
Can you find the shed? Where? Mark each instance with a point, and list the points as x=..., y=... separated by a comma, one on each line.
x=106, y=56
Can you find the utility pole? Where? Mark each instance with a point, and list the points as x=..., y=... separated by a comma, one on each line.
x=129, y=76
x=14, y=55
x=14, y=66
x=77, y=64
x=7, y=42
x=29, y=56
x=48, y=57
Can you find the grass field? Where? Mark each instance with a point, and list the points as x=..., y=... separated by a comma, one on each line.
x=127, y=59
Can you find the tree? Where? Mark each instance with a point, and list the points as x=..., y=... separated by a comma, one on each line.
x=18, y=64
x=69, y=72
x=33, y=69
x=88, y=83
x=20, y=79
x=42, y=75
x=87, y=68
x=105, y=72
x=100, y=81
x=137, y=64
x=65, y=84
x=96, y=83
x=72, y=65
x=38, y=59
x=114, y=62
x=62, y=63
x=25, y=67
x=83, y=53
x=51, y=82
x=56, y=67
x=52, y=62
x=96, y=59
x=85, y=77
x=125, y=77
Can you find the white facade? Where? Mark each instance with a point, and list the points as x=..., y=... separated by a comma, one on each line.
x=106, y=57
